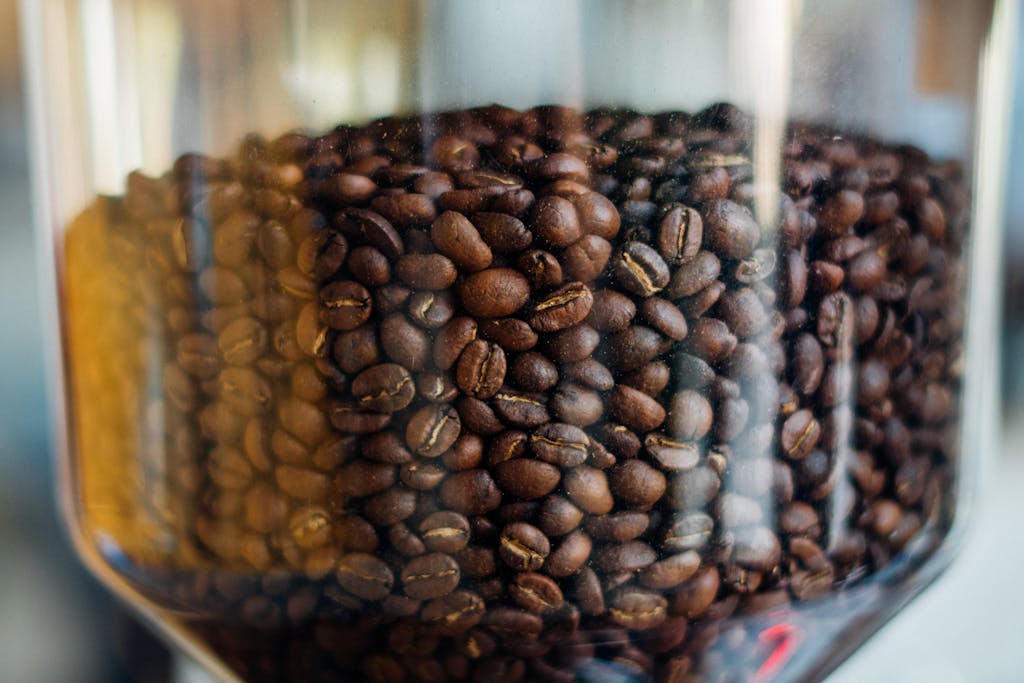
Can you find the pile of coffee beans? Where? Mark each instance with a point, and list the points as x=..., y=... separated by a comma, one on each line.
x=516, y=395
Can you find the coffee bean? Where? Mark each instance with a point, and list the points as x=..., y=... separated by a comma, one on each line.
x=451, y=340
x=541, y=268
x=560, y=444
x=635, y=409
x=596, y=214
x=510, y=334
x=385, y=388
x=637, y=609
x=345, y=305
x=696, y=275
x=422, y=476
x=611, y=311
x=432, y=430
x=640, y=269
x=696, y=595
x=800, y=434
x=471, y=492
x=558, y=516
x=426, y=271
x=636, y=483
x=671, y=571
x=664, y=317
x=535, y=592
x=242, y=341
x=457, y=238
x=430, y=576
x=562, y=309
x=571, y=554
x=456, y=612
x=711, y=340
x=671, y=455
x=445, y=532
x=523, y=546
x=519, y=410
x=481, y=369
x=502, y=233
x=364, y=576
x=687, y=531
x=494, y=292
x=526, y=478
x=634, y=347
x=689, y=416
x=587, y=487
x=588, y=593
x=585, y=260
x=729, y=229
x=680, y=233
x=757, y=548
x=555, y=222
x=372, y=228
x=533, y=372
x=840, y=212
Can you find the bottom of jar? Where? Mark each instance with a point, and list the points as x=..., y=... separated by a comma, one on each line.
x=767, y=637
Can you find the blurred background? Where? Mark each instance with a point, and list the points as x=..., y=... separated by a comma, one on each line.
x=56, y=624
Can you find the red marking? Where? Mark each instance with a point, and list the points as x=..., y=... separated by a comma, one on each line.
x=786, y=638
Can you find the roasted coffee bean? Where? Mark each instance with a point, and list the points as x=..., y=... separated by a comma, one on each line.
x=422, y=476
x=345, y=305
x=611, y=311
x=571, y=554
x=669, y=454
x=554, y=221
x=535, y=592
x=242, y=341
x=587, y=487
x=680, y=233
x=597, y=215
x=689, y=416
x=840, y=212
x=520, y=410
x=562, y=309
x=526, y=478
x=372, y=228
x=694, y=276
x=533, y=372
x=456, y=612
x=637, y=609
x=640, y=269
x=364, y=576
x=664, y=317
x=687, y=531
x=671, y=571
x=799, y=434
x=560, y=444
x=558, y=516
x=633, y=347
x=481, y=369
x=503, y=233
x=510, y=334
x=757, y=548
x=636, y=483
x=729, y=229
x=541, y=268
x=471, y=492
x=588, y=593
x=458, y=239
x=585, y=260
x=711, y=340
x=430, y=576
x=635, y=409
x=451, y=340
x=384, y=388
x=432, y=430
x=494, y=292
x=523, y=547
x=445, y=532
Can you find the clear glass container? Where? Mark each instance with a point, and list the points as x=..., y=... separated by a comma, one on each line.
x=547, y=341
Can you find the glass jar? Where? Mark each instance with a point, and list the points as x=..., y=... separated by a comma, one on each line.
x=464, y=340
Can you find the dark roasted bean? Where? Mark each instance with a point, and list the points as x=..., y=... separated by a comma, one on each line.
x=640, y=269
x=523, y=546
